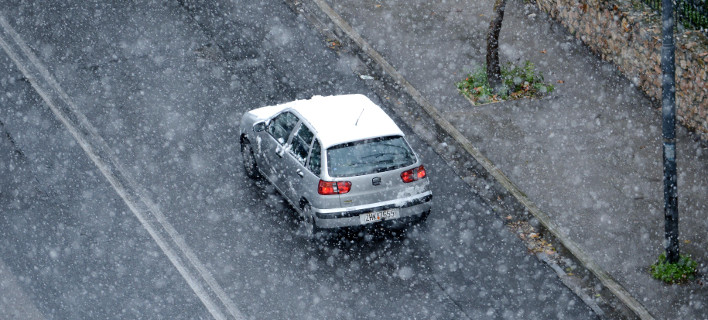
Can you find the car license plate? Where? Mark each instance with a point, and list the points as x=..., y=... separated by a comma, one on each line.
x=378, y=216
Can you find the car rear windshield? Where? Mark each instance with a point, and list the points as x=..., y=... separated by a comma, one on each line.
x=369, y=156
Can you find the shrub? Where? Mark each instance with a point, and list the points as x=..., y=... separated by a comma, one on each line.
x=685, y=269
x=517, y=82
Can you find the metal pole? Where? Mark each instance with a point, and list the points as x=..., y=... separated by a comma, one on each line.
x=668, y=86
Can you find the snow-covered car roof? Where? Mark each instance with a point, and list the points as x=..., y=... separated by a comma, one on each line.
x=343, y=118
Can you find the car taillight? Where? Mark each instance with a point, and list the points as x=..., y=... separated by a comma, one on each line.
x=333, y=187
x=413, y=174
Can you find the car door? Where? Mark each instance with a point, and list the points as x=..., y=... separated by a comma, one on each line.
x=297, y=152
x=274, y=146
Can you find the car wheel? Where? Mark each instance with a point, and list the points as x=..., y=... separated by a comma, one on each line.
x=424, y=216
x=422, y=222
x=308, y=221
x=249, y=160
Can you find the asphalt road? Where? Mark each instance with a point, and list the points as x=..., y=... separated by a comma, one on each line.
x=122, y=195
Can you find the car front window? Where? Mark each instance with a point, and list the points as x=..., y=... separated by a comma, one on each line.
x=281, y=126
x=301, y=143
x=369, y=156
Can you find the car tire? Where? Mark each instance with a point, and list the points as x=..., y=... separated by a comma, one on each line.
x=311, y=229
x=424, y=216
x=249, y=160
x=422, y=222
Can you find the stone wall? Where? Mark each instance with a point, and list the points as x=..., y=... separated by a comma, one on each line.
x=628, y=33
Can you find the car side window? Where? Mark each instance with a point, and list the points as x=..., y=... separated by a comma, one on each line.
x=281, y=126
x=300, y=145
x=315, y=162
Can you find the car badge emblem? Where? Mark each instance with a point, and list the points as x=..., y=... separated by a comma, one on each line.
x=376, y=181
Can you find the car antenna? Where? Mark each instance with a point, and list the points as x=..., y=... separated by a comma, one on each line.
x=357, y=119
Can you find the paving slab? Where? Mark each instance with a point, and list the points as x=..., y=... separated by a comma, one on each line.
x=589, y=155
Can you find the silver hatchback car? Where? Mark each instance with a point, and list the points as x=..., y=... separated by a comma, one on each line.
x=340, y=161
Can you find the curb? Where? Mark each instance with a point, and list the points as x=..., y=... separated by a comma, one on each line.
x=610, y=283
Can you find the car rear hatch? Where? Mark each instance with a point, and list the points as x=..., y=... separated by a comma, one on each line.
x=382, y=187
x=375, y=169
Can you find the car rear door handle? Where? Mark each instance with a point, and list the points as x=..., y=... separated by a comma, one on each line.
x=300, y=173
x=279, y=151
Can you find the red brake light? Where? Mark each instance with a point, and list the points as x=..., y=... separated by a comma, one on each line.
x=326, y=187
x=413, y=174
x=407, y=176
x=421, y=172
x=344, y=186
x=333, y=187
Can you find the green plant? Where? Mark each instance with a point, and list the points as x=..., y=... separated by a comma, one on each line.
x=517, y=82
x=475, y=86
x=685, y=269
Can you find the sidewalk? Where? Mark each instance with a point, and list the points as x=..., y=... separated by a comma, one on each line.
x=589, y=156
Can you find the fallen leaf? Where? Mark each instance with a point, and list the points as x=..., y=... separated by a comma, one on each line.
x=543, y=51
x=378, y=6
x=561, y=81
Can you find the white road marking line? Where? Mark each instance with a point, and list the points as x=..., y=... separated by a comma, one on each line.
x=14, y=303
x=132, y=194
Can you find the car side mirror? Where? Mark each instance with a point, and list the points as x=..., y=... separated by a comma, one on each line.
x=259, y=126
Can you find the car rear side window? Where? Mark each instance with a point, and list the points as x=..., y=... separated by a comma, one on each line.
x=369, y=156
x=315, y=158
x=301, y=143
x=281, y=126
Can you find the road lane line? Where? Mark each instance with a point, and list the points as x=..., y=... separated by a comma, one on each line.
x=153, y=220
x=14, y=302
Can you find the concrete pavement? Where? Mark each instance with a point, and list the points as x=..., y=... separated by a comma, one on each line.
x=585, y=161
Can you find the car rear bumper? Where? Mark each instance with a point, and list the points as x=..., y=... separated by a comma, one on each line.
x=408, y=208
